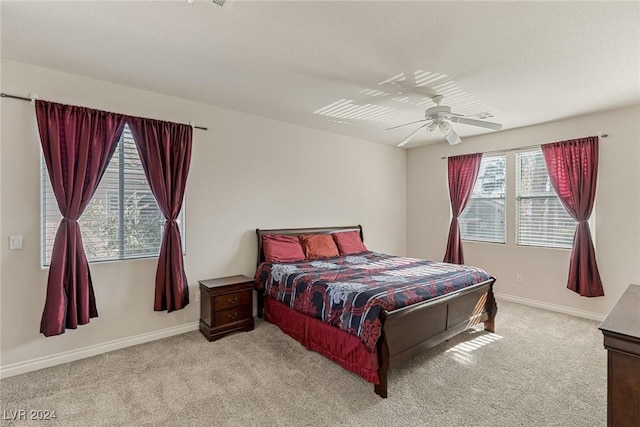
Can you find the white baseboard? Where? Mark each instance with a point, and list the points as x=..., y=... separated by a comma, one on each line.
x=552, y=307
x=93, y=350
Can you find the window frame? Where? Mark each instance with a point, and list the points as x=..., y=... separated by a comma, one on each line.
x=45, y=182
x=518, y=198
x=503, y=197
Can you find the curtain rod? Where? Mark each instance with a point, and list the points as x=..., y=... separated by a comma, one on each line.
x=599, y=134
x=34, y=96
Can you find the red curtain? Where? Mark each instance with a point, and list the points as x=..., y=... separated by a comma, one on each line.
x=463, y=171
x=573, y=169
x=165, y=153
x=77, y=144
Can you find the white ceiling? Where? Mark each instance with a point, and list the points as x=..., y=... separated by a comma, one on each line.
x=521, y=62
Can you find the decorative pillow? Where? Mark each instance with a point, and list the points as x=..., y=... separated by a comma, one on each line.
x=349, y=243
x=317, y=246
x=279, y=248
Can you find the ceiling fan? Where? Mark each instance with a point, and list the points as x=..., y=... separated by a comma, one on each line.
x=439, y=118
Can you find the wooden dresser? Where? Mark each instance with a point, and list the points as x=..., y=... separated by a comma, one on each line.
x=621, y=330
x=226, y=305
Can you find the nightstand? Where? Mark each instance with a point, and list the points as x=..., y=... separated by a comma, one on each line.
x=226, y=305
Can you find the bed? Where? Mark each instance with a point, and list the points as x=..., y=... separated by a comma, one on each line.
x=420, y=304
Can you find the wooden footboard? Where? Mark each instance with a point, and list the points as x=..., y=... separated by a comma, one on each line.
x=410, y=330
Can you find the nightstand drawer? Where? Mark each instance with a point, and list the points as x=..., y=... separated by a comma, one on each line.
x=232, y=315
x=236, y=299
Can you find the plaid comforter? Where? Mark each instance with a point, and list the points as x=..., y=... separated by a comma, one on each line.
x=350, y=292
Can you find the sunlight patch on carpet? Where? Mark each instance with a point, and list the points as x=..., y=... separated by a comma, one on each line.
x=462, y=352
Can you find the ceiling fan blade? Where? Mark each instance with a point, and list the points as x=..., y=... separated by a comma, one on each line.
x=412, y=135
x=410, y=123
x=452, y=137
x=473, y=122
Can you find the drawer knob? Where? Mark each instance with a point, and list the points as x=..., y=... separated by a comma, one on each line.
x=233, y=316
x=233, y=300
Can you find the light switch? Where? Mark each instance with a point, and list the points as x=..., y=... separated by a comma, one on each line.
x=15, y=242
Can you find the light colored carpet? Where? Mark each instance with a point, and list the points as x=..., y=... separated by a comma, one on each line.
x=539, y=369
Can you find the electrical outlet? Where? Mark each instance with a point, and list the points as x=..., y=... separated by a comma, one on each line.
x=519, y=278
x=198, y=295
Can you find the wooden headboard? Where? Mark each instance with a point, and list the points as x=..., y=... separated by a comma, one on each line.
x=300, y=231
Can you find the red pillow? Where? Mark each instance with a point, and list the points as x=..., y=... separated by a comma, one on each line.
x=279, y=248
x=349, y=243
x=318, y=246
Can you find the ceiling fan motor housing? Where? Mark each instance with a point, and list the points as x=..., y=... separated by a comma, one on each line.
x=437, y=110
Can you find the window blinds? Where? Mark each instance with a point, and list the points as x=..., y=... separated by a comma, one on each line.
x=541, y=220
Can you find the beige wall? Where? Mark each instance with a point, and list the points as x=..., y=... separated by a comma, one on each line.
x=246, y=172
x=544, y=270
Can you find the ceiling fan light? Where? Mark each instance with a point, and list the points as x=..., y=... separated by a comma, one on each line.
x=445, y=127
x=432, y=128
x=452, y=138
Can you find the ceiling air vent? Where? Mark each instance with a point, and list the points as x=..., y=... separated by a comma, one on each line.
x=222, y=3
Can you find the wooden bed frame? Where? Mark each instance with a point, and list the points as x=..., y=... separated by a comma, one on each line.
x=410, y=330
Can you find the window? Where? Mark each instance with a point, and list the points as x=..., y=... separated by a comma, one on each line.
x=122, y=220
x=541, y=220
x=483, y=218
